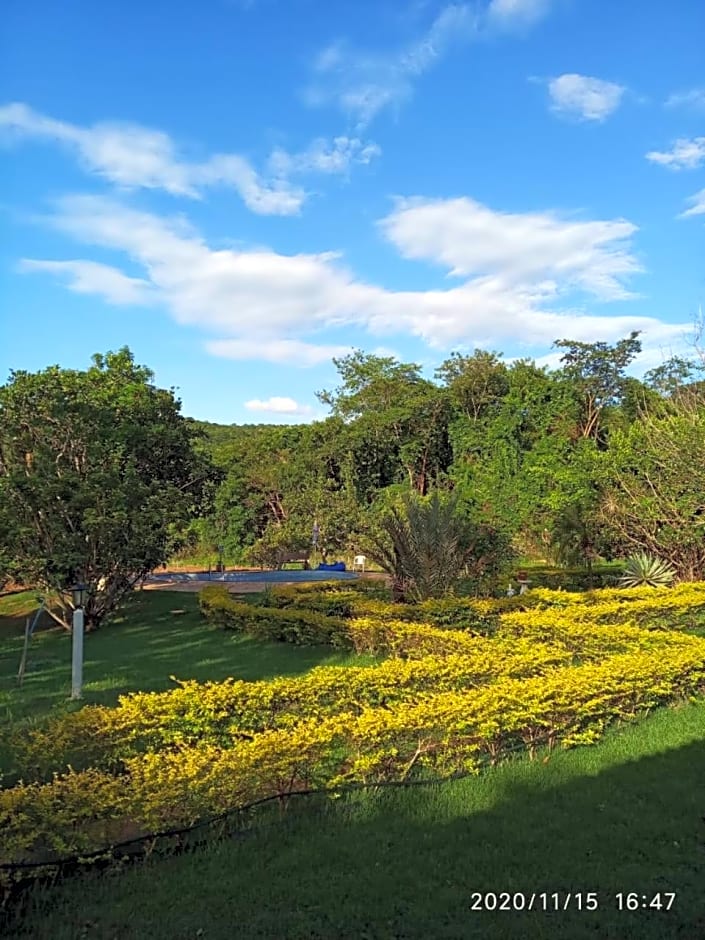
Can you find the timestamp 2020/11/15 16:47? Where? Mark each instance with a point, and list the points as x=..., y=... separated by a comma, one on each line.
x=571, y=900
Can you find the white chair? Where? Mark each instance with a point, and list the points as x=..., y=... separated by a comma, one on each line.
x=359, y=563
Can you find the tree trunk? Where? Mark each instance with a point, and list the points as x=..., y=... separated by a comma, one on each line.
x=398, y=590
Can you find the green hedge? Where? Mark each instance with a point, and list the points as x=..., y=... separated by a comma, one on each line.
x=302, y=627
x=574, y=579
x=453, y=612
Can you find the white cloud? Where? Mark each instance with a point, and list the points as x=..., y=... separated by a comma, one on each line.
x=247, y=294
x=90, y=277
x=323, y=156
x=279, y=351
x=522, y=274
x=685, y=154
x=697, y=206
x=363, y=84
x=583, y=97
x=132, y=156
x=517, y=12
x=471, y=239
x=693, y=98
x=280, y=406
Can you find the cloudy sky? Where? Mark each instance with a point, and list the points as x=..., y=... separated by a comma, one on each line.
x=240, y=190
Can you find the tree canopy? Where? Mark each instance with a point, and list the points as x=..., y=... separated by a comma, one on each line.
x=531, y=452
x=98, y=474
x=101, y=478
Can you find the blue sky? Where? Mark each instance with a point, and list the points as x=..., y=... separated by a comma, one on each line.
x=240, y=190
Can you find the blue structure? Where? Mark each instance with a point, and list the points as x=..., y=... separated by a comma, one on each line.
x=256, y=576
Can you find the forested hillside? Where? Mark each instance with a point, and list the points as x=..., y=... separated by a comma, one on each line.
x=577, y=462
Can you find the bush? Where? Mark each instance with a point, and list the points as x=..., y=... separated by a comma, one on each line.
x=573, y=579
x=557, y=668
x=582, y=629
x=302, y=627
x=678, y=608
x=439, y=734
x=226, y=712
x=643, y=568
x=457, y=612
x=329, y=603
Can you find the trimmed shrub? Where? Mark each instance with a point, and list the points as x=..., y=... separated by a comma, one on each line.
x=302, y=627
x=440, y=734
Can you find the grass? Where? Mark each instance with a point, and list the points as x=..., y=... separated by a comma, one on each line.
x=155, y=635
x=624, y=815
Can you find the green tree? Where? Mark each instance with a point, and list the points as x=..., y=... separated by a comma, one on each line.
x=398, y=421
x=655, y=491
x=672, y=375
x=596, y=372
x=98, y=475
x=516, y=464
x=476, y=384
x=427, y=543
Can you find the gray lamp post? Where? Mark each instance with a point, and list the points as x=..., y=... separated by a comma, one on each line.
x=79, y=599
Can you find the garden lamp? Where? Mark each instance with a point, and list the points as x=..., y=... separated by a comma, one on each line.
x=79, y=595
x=79, y=592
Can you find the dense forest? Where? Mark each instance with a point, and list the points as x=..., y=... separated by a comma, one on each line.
x=577, y=463
x=102, y=479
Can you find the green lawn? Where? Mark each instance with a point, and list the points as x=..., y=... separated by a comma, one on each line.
x=625, y=815
x=157, y=634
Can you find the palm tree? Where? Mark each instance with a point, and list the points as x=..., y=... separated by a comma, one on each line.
x=575, y=538
x=423, y=543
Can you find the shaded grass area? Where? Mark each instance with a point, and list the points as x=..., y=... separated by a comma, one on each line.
x=624, y=815
x=155, y=635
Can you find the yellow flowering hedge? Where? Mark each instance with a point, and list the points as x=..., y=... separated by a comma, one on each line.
x=528, y=643
x=225, y=712
x=439, y=732
x=101, y=736
x=369, y=631
x=310, y=617
x=452, y=611
x=380, y=632
x=417, y=640
x=680, y=606
x=558, y=666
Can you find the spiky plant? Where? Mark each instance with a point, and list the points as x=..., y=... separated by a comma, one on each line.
x=644, y=569
x=423, y=544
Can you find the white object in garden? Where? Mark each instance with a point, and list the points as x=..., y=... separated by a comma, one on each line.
x=359, y=562
x=77, y=654
x=79, y=599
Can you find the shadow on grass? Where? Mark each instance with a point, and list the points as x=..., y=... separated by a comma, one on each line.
x=407, y=864
x=153, y=636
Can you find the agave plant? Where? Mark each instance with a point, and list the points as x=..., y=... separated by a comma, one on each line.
x=644, y=569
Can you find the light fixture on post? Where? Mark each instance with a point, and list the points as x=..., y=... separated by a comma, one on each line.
x=79, y=592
